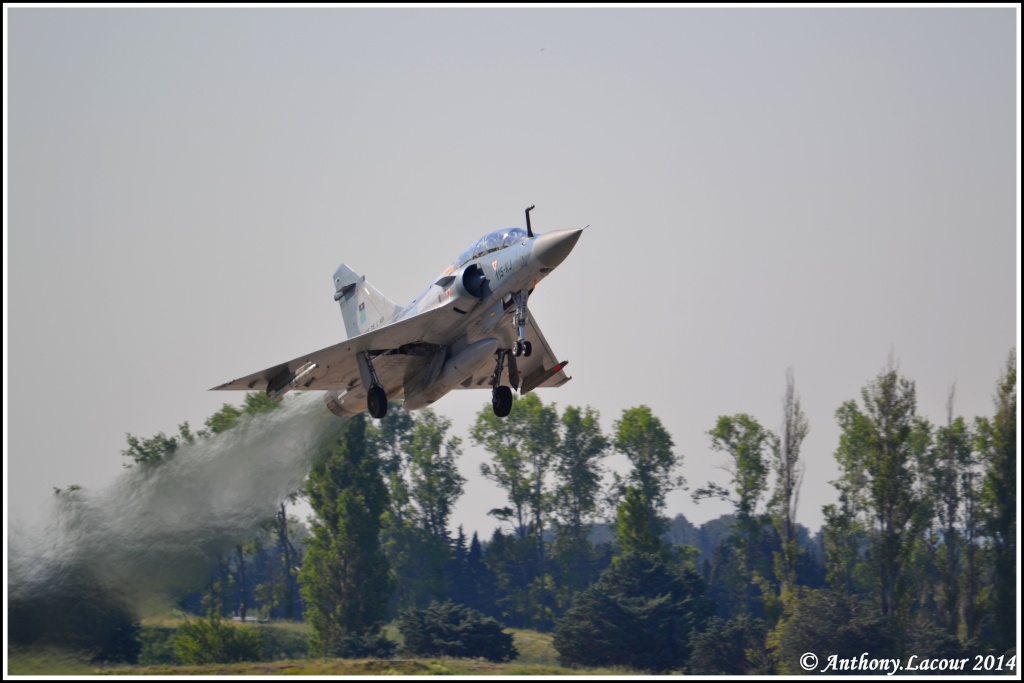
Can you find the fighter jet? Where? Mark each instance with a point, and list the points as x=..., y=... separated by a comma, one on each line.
x=469, y=329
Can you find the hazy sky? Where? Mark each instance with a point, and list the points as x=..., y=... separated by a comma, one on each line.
x=765, y=189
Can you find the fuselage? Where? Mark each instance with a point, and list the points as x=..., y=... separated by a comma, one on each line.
x=477, y=288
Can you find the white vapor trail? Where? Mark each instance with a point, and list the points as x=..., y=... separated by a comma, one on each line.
x=158, y=530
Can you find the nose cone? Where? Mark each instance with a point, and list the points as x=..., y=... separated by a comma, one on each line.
x=552, y=248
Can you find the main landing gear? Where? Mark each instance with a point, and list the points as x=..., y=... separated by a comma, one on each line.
x=501, y=401
x=377, y=401
x=376, y=397
x=522, y=347
x=501, y=396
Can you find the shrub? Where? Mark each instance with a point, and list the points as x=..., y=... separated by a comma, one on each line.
x=212, y=641
x=823, y=621
x=449, y=630
x=280, y=643
x=735, y=647
x=157, y=646
x=361, y=646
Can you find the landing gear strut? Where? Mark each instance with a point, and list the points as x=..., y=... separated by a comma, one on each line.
x=501, y=396
x=522, y=347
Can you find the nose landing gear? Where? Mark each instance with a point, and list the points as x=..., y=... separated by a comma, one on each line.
x=522, y=347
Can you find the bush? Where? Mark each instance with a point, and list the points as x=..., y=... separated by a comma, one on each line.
x=639, y=614
x=360, y=646
x=449, y=630
x=734, y=648
x=211, y=641
x=823, y=621
x=281, y=643
x=157, y=646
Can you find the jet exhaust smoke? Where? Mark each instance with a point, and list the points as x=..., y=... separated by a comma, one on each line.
x=158, y=530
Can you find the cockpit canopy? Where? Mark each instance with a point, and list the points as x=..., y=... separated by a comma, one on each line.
x=492, y=241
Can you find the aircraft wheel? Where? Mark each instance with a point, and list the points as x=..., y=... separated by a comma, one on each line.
x=377, y=402
x=527, y=348
x=501, y=401
x=518, y=349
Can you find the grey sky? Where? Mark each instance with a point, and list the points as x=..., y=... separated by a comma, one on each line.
x=766, y=188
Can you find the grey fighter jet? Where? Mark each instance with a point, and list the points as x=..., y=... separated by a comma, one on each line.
x=468, y=330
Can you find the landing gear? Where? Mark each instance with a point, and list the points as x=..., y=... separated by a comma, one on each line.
x=377, y=402
x=501, y=401
x=522, y=347
x=501, y=396
x=376, y=397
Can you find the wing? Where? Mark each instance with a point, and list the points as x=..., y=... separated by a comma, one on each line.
x=403, y=344
x=541, y=369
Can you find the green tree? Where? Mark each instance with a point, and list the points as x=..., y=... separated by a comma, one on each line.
x=997, y=444
x=154, y=450
x=522, y=447
x=435, y=482
x=512, y=563
x=640, y=614
x=789, y=473
x=745, y=441
x=161, y=448
x=948, y=458
x=879, y=454
x=640, y=436
x=578, y=473
x=578, y=469
x=638, y=529
x=345, y=579
x=389, y=439
x=827, y=623
x=257, y=403
x=224, y=419
x=971, y=494
x=508, y=468
x=472, y=582
x=425, y=486
x=735, y=647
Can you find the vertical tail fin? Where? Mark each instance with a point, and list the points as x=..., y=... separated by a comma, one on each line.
x=363, y=308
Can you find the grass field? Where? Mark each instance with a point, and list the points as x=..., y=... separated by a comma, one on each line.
x=536, y=658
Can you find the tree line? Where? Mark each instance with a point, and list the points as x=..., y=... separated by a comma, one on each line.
x=917, y=556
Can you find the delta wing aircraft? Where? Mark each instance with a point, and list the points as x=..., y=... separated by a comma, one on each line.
x=469, y=329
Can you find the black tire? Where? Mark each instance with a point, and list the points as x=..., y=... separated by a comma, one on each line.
x=501, y=401
x=527, y=349
x=377, y=402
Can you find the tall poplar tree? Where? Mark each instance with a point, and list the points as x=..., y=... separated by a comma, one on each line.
x=997, y=443
x=789, y=472
x=879, y=450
